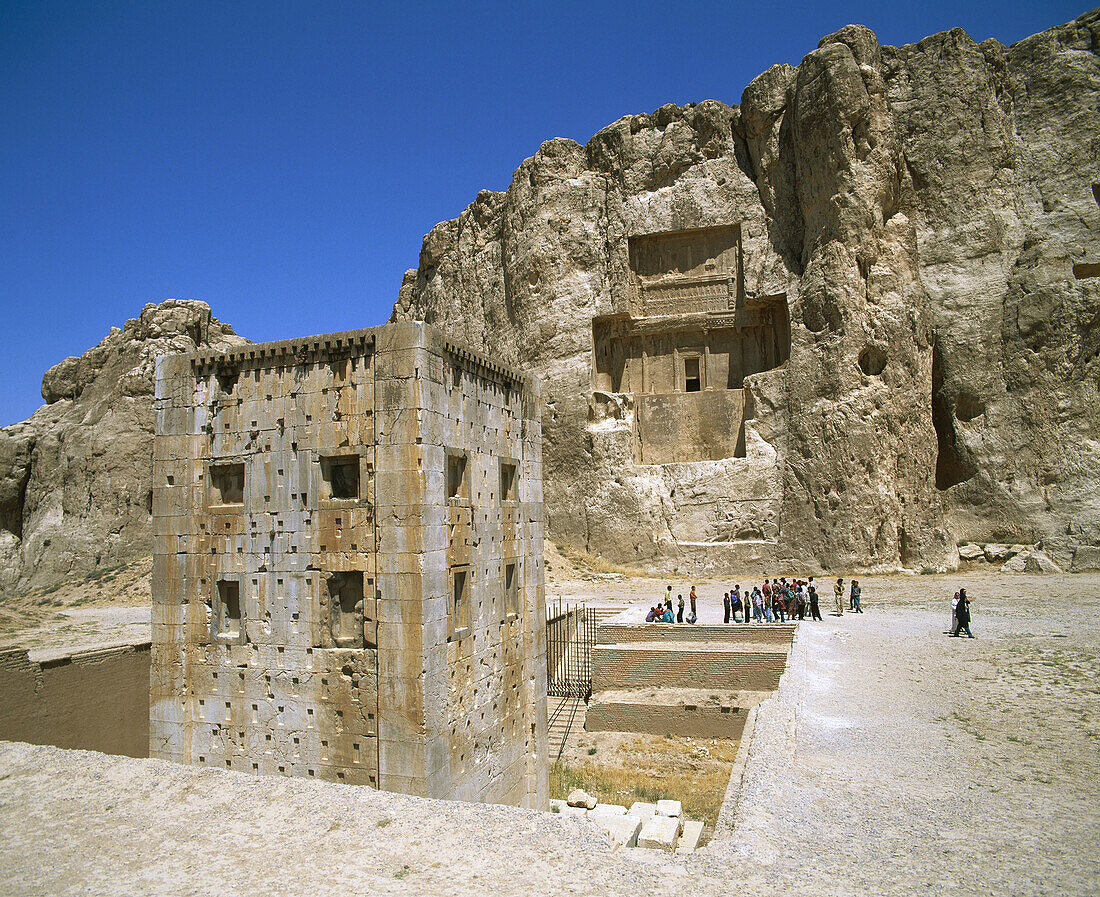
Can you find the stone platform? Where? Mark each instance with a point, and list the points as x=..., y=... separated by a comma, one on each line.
x=690, y=680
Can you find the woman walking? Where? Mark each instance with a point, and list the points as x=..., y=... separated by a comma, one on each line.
x=962, y=615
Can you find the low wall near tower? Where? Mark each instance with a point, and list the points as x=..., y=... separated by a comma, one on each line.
x=94, y=700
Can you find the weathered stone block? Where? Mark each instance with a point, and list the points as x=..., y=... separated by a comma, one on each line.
x=690, y=836
x=659, y=832
x=623, y=830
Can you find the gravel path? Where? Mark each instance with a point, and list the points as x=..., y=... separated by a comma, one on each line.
x=893, y=760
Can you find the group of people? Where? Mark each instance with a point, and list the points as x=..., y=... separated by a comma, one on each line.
x=662, y=613
x=777, y=600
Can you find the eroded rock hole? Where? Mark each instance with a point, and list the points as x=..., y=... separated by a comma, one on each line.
x=968, y=406
x=952, y=464
x=872, y=360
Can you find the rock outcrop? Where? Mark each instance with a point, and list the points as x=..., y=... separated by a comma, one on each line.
x=878, y=275
x=76, y=477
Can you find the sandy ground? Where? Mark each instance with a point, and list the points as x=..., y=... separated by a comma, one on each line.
x=893, y=760
x=111, y=606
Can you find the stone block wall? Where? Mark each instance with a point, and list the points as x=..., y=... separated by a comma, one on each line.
x=348, y=570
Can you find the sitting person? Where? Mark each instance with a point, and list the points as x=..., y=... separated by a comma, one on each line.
x=652, y=615
x=691, y=616
x=668, y=617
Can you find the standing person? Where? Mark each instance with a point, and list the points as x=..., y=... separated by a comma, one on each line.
x=954, y=605
x=736, y=607
x=838, y=591
x=692, y=597
x=815, y=611
x=801, y=600
x=726, y=607
x=780, y=596
x=680, y=609
x=757, y=604
x=855, y=596
x=962, y=615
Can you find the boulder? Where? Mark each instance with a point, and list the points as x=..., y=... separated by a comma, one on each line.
x=1086, y=557
x=997, y=552
x=1031, y=562
x=579, y=798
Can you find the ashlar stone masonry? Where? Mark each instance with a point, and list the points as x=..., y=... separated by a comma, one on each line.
x=348, y=578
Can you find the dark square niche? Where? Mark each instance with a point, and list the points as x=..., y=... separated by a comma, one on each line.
x=507, y=481
x=227, y=484
x=456, y=476
x=341, y=476
x=227, y=623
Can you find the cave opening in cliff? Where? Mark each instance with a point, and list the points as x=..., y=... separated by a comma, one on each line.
x=952, y=467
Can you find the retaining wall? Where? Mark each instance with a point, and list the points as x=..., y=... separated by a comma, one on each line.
x=92, y=700
x=729, y=667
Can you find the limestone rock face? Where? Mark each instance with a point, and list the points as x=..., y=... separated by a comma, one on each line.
x=877, y=274
x=76, y=477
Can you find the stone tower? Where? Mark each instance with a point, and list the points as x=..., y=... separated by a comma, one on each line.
x=348, y=577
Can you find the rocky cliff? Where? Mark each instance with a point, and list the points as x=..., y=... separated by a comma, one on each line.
x=75, y=478
x=850, y=322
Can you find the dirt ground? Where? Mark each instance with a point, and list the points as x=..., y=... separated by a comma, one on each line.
x=109, y=606
x=893, y=760
x=622, y=767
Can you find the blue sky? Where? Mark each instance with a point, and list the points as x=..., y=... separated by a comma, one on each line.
x=282, y=160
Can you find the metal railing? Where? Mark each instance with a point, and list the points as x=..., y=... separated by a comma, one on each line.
x=570, y=635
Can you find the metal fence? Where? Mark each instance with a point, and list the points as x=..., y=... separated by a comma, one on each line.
x=570, y=635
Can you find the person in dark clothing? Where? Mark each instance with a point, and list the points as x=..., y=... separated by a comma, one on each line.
x=962, y=615
x=726, y=607
x=815, y=611
x=735, y=603
x=680, y=609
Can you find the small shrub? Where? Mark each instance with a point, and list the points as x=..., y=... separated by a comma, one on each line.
x=591, y=751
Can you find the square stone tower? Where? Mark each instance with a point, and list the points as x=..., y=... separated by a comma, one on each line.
x=347, y=572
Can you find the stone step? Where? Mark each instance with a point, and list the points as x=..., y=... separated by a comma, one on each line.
x=682, y=712
x=719, y=667
x=613, y=632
